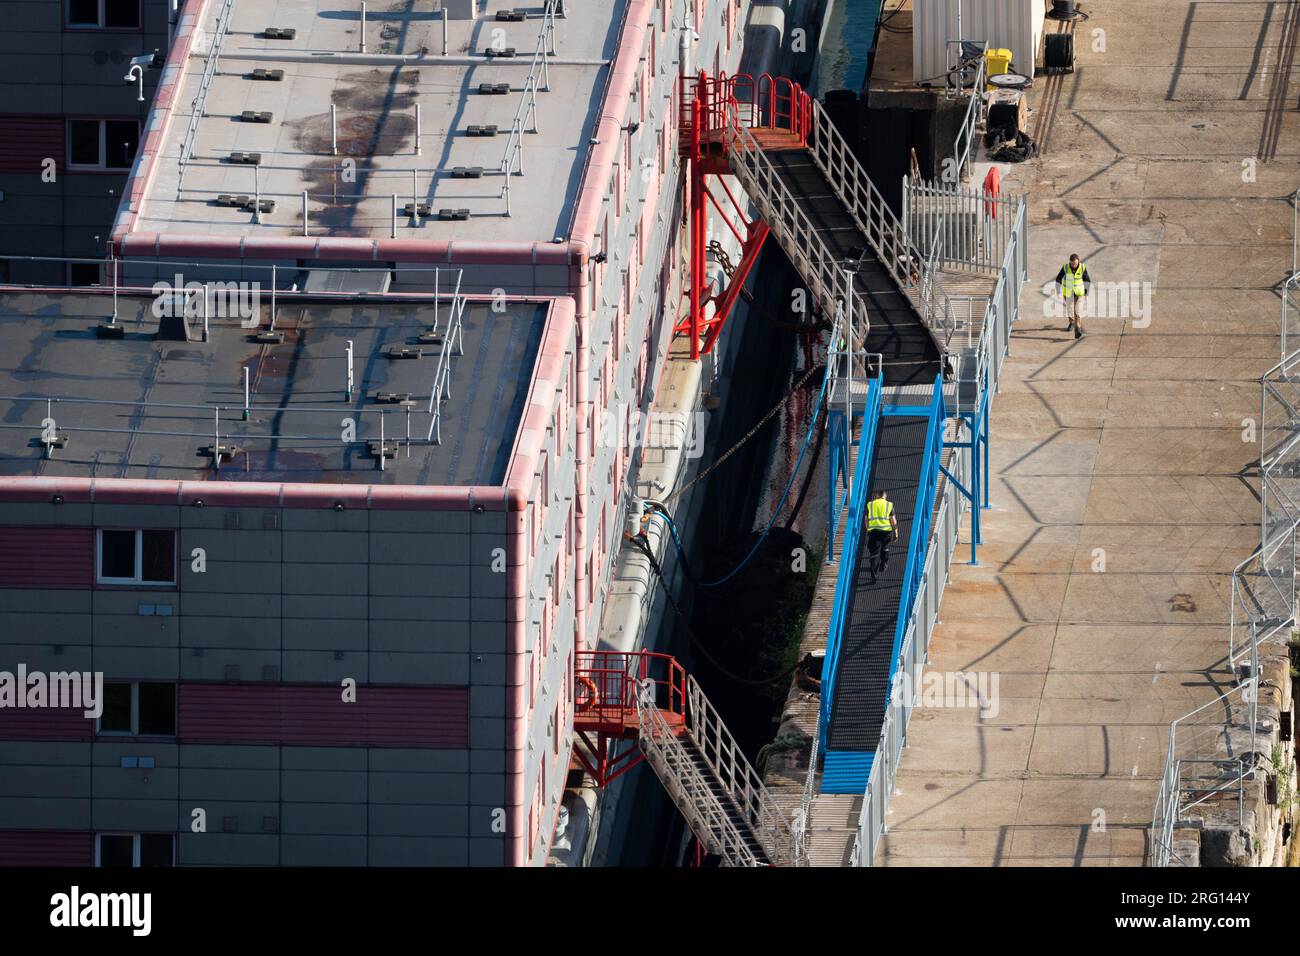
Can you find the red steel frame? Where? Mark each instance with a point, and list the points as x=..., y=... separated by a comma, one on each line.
x=709, y=106
x=605, y=712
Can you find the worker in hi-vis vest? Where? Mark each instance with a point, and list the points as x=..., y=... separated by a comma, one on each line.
x=1074, y=282
x=882, y=528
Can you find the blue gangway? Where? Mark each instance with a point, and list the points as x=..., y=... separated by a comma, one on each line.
x=899, y=451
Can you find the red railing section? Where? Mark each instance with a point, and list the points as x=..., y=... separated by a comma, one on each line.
x=607, y=682
x=762, y=102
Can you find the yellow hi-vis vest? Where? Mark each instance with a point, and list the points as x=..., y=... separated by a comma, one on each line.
x=878, y=513
x=1073, y=284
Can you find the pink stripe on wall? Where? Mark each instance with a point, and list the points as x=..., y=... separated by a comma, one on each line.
x=317, y=716
x=33, y=557
x=44, y=723
x=46, y=848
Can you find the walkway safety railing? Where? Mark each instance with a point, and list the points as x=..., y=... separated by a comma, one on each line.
x=706, y=773
x=1000, y=315
x=1212, y=751
x=1224, y=727
x=885, y=235
x=849, y=551
x=1003, y=309
x=453, y=338
x=209, y=306
x=909, y=661
x=827, y=278
x=963, y=145
x=205, y=82
x=738, y=778
x=974, y=226
x=1290, y=313
x=525, y=118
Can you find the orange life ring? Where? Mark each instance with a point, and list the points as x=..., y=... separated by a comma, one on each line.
x=593, y=695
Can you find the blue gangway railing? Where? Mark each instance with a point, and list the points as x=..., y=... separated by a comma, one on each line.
x=920, y=534
x=918, y=539
x=849, y=553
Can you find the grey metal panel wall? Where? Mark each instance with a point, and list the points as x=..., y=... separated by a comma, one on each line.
x=67, y=73
x=289, y=596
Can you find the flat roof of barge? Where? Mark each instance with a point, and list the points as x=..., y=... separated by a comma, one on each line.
x=146, y=405
x=375, y=96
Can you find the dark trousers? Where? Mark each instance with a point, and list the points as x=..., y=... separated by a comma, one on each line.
x=878, y=549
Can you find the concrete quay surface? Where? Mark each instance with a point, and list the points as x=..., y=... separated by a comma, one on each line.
x=1124, y=478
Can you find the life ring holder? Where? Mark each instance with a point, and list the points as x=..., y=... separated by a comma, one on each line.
x=593, y=695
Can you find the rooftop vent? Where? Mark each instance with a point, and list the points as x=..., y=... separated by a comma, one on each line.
x=248, y=159
x=512, y=16
x=279, y=33
x=410, y=209
x=221, y=454
x=453, y=215
x=394, y=398
x=504, y=52
x=51, y=442
x=481, y=130
x=266, y=205
x=467, y=172
x=429, y=337
x=377, y=449
x=494, y=89
x=400, y=352
x=253, y=116
x=261, y=74
x=227, y=199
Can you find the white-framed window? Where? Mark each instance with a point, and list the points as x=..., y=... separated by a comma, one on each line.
x=135, y=556
x=138, y=709
x=135, y=849
x=103, y=14
x=108, y=144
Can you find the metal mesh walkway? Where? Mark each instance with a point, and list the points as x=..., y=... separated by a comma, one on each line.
x=862, y=683
x=910, y=354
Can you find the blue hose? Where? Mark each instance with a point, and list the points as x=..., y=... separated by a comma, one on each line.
x=780, y=506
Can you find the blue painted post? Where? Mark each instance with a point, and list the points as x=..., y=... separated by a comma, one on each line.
x=984, y=416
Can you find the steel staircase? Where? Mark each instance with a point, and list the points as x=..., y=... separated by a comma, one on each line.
x=845, y=242
x=648, y=698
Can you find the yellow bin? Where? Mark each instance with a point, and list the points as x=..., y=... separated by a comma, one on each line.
x=996, y=62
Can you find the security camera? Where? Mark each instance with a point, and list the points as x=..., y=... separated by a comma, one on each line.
x=143, y=60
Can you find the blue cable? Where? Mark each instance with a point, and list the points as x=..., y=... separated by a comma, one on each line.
x=780, y=506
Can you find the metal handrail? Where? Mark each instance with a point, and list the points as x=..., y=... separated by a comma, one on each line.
x=733, y=771
x=200, y=96
x=1252, y=619
x=962, y=152
x=849, y=551
x=704, y=812
x=884, y=233
x=908, y=663
x=1168, y=804
x=539, y=80
x=826, y=277
x=1000, y=315
x=441, y=389
x=956, y=209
